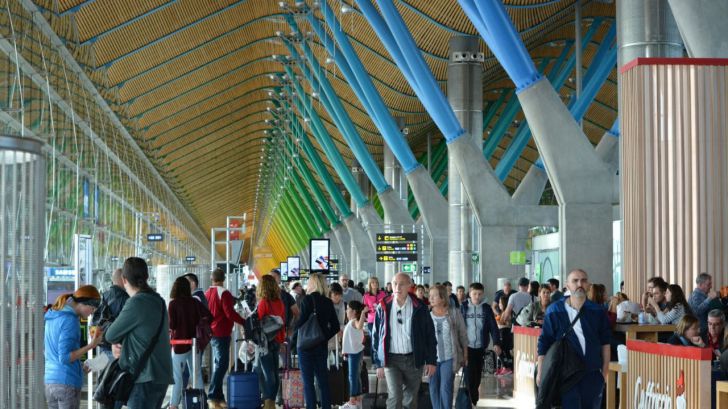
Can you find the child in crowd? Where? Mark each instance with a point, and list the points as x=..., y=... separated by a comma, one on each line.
x=504, y=326
x=352, y=348
x=481, y=327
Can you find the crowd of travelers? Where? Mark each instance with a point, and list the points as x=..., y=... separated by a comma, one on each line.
x=408, y=330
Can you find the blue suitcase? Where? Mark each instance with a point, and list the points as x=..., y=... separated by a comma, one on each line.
x=195, y=397
x=243, y=390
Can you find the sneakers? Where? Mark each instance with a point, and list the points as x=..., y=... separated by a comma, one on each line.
x=349, y=405
x=503, y=371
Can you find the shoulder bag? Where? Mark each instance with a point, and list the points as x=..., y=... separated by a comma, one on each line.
x=310, y=333
x=116, y=383
x=561, y=369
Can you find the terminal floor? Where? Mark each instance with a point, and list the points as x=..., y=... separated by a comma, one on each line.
x=495, y=393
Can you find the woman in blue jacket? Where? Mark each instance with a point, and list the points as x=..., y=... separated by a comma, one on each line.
x=63, y=349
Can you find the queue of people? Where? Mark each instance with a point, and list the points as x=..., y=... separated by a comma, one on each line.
x=413, y=330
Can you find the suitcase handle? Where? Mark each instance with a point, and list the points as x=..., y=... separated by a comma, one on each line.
x=192, y=342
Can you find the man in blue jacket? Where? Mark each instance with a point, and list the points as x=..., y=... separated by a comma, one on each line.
x=403, y=342
x=589, y=338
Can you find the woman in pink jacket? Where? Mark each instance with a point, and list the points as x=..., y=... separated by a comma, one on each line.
x=371, y=298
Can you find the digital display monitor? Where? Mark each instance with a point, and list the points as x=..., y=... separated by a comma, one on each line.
x=294, y=268
x=284, y=271
x=319, y=255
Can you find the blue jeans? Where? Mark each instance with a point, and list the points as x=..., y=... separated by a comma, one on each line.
x=220, y=363
x=268, y=376
x=441, y=385
x=147, y=395
x=587, y=394
x=313, y=363
x=354, y=375
x=180, y=362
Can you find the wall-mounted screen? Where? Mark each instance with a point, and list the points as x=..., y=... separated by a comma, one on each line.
x=294, y=268
x=319, y=255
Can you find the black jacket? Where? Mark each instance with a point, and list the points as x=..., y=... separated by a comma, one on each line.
x=324, y=311
x=424, y=342
x=112, y=301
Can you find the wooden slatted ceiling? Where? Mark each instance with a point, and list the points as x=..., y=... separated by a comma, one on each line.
x=190, y=79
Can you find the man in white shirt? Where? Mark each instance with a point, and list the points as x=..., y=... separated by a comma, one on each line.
x=589, y=343
x=403, y=344
x=349, y=293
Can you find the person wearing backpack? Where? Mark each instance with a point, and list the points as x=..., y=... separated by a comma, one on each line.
x=518, y=301
x=481, y=327
x=185, y=313
x=270, y=304
x=222, y=308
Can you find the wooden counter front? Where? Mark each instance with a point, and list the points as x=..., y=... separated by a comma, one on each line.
x=525, y=356
x=668, y=375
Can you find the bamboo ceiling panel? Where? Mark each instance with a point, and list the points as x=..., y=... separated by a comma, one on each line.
x=190, y=79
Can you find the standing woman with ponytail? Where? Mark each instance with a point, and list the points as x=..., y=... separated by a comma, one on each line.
x=63, y=375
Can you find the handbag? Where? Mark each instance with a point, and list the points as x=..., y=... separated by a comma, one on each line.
x=561, y=369
x=462, y=399
x=270, y=325
x=116, y=383
x=310, y=333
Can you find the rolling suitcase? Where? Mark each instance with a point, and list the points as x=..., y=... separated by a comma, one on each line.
x=338, y=379
x=243, y=389
x=292, y=384
x=195, y=397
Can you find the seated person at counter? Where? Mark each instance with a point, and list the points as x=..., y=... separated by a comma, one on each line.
x=687, y=333
x=532, y=314
x=650, y=291
x=715, y=335
x=625, y=310
x=676, y=307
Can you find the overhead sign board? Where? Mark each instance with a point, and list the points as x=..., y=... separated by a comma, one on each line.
x=190, y=258
x=393, y=247
x=155, y=237
x=319, y=255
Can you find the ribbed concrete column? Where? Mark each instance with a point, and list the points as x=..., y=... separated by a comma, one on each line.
x=465, y=94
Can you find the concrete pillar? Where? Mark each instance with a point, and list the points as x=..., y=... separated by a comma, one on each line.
x=465, y=94
x=702, y=26
x=581, y=180
x=341, y=243
x=647, y=28
x=393, y=175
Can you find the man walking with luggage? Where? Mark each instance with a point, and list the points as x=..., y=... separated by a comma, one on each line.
x=403, y=343
x=589, y=338
x=222, y=308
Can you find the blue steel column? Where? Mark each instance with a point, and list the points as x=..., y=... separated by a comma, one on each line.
x=365, y=247
x=431, y=203
x=581, y=181
x=483, y=188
